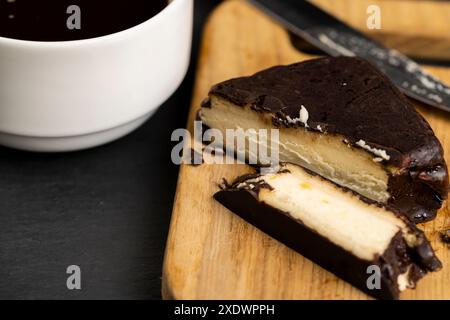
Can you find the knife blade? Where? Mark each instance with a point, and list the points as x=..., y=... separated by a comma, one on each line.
x=338, y=39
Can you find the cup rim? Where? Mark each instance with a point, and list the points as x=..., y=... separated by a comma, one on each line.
x=171, y=5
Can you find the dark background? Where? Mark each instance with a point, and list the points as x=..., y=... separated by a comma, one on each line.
x=106, y=210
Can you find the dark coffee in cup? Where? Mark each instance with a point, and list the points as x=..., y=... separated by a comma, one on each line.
x=62, y=20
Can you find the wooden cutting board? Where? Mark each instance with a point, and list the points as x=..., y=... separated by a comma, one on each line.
x=211, y=253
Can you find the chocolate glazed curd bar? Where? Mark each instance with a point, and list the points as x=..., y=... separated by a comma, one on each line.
x=334, y=227
x=344, y=120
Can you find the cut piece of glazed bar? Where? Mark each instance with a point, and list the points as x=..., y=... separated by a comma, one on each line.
x=343, y=119
x=335, y=228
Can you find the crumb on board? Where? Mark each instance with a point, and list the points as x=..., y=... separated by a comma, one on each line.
x=445, y=235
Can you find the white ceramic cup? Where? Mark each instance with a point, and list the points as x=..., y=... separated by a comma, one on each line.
x=72, y=95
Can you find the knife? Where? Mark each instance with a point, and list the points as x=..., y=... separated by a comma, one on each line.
x=338, y=39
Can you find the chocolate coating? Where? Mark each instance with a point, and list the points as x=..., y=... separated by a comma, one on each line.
x=349, y=97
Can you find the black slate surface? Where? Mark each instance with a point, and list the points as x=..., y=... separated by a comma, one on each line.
x=106, y=210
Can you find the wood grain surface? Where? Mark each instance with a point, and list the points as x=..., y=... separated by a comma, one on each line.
x=213, y=254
